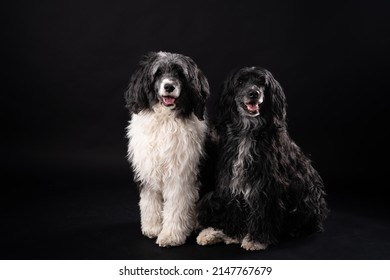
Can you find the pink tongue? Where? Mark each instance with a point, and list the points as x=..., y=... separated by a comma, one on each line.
x=252, y=107
x=168, y=100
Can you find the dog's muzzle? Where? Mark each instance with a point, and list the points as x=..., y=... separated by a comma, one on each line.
x=169, y=91
x=252, y=100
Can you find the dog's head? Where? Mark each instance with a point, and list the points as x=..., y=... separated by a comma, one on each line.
x=252, y=93
x=174, y=80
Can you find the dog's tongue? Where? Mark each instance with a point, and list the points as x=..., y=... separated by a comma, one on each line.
x=168, y=100
x=252, y=107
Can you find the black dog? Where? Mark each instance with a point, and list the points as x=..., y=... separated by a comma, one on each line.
x=266, y=187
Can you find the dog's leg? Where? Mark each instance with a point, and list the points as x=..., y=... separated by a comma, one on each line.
x=178, y=213
x=151, y=210
x=251, y=245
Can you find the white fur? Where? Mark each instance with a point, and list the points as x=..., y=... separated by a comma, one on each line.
x=251, y=245
x=238, y=169
x=165, y=152
x=210, y=236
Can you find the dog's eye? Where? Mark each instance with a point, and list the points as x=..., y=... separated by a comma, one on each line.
x=158, y=72
x=240, y=82
x=262, y=81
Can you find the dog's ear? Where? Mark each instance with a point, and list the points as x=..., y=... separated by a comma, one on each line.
x=201, y=95
x=139, y=95
x=278, y=100
x=199, y=87
x=226, y=99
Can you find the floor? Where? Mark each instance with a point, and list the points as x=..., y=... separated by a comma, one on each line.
x=84, y=218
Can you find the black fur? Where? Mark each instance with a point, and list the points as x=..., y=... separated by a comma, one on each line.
x=278, y=192
x=142, y=91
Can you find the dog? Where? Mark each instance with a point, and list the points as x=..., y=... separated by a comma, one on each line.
x=166, y=99
x=265, y=186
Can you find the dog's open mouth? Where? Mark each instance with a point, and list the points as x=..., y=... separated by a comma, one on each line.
x=252, y=108
x=168, y=101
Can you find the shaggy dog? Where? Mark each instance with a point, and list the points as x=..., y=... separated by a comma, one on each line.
x=166, y=99
x=266, y=186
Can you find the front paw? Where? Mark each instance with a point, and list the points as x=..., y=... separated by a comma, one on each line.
x=252, y=245
x=165, y=239
x=151, y=231
x=209, y=236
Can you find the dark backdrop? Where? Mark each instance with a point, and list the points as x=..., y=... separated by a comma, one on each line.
x=67, y=188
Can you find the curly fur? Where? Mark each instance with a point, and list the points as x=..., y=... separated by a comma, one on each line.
x=166, y=100
x=266, y=187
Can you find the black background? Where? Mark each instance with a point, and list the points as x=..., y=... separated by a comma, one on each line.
x=67, y=190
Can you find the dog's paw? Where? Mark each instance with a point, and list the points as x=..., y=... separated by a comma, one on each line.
x=209, y=236
x=251, y=245
x=151, y=231
x=170, y=240
x=229, y=240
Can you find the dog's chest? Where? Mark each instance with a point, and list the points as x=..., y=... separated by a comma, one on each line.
x=242, y=158
x=241, y=164
x=161, y=143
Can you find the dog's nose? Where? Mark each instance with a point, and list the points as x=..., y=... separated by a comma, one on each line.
x=169, y=88
x=253, y=94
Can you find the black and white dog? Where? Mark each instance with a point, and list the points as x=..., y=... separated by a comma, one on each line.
x=266, y=187
x=166, y=99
